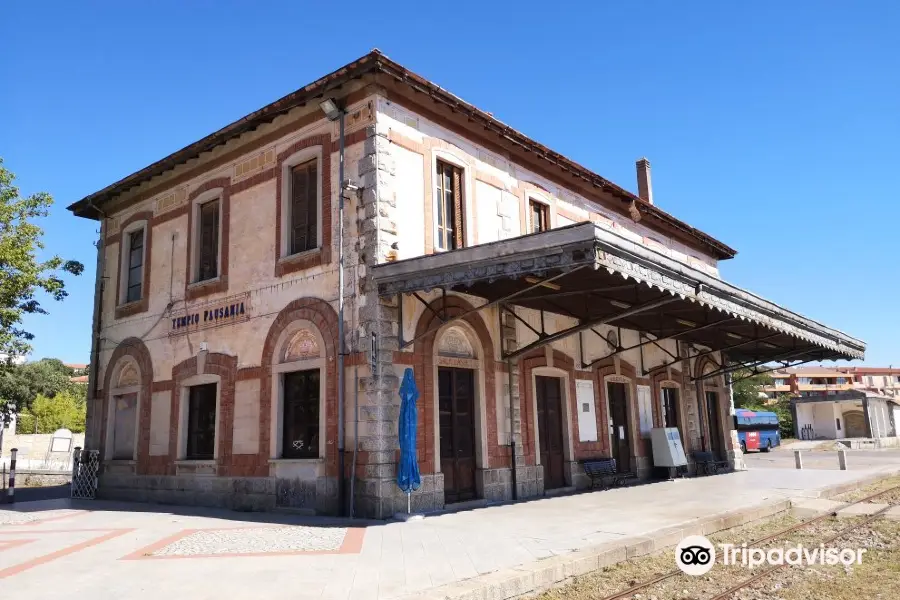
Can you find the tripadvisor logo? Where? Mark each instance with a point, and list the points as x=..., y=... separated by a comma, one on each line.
x=695, y=555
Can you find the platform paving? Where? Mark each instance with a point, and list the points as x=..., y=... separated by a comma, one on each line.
x=127, y=551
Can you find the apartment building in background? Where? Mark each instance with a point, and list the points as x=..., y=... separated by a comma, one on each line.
x=812, y=381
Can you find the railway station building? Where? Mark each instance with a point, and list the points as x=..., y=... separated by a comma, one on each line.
x=548, y=314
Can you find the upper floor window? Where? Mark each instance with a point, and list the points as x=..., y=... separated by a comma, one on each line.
x=208, y=238
x=304, y=207
x=448, y=209
x=540, y=216
x=134, y=266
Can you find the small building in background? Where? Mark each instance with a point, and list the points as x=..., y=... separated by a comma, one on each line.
x=851, y=414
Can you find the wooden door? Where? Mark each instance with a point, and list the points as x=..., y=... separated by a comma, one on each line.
x=456, y=399
x=715, y=426
x=550, y=432
x=620, y=436
x=854, y=424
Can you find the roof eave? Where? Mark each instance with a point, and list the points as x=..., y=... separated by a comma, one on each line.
x=375, y=61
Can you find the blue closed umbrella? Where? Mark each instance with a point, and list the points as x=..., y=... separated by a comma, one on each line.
x=408, y=478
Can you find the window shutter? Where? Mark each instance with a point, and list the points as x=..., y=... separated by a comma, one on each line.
x=458, y=210
x=209, y=241
x=304, y=208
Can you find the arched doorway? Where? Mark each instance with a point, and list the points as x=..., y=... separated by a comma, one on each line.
x=457, y=366
x=123, y=410
x=855, y=424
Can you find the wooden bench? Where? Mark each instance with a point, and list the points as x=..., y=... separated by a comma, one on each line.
x=603, y=470
x=707, y=463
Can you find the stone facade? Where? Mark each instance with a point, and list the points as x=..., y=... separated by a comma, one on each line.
x=270, y=313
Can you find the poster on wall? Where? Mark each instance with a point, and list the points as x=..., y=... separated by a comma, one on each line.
x=645, y=410
x=587, y=417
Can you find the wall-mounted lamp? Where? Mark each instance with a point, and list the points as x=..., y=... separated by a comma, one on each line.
x=331, y=109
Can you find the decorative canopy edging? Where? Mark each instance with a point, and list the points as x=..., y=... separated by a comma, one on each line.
x=603, y=251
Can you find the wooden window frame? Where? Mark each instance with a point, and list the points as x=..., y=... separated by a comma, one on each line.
x=141, y=221
x=304, y=161
x=665, y=414
x=537, y=206
x=215, y=189
x=200, y=276
x=130, y=268
x=317, y=147
x=455, y=213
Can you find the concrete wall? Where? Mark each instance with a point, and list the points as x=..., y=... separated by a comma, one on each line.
x=821, y=415
x=881, y=418
x=34, y=451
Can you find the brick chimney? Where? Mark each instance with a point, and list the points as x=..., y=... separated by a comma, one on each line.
x=645, y=189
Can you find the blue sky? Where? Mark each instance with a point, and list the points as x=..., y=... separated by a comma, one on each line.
x=772, y=126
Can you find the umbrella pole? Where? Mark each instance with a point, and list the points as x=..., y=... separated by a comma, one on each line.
x=408, y=509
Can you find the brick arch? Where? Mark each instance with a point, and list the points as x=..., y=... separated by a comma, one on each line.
x=323, y=316
x=136, y=349
x=626, y=369
x=215, y=363
x=657, y=376
x=700, y=366
x=454, y=306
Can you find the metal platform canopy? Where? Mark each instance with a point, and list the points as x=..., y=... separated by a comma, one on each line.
x=598, y=277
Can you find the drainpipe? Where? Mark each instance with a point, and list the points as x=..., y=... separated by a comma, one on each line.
x=355, y=441
x=342, y=350
x=96, y=325
x=512, y=431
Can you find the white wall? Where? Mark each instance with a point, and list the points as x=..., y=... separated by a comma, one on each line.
x=880, y=417
x=823, y=420
x=509, y=186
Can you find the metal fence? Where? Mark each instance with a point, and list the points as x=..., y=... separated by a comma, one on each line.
x=85, y=465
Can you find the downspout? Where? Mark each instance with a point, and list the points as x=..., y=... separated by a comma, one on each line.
x=96, y=325
x=355, y=441
x=342, y=350
x=512, y=431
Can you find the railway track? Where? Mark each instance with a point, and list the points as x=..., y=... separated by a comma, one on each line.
x=648, y=583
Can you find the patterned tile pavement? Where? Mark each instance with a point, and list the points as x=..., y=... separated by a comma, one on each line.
x=255, y=541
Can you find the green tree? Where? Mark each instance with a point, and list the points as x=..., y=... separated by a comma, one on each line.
x=782, y=408
x=747, y=389
x=748, y=393
x=23, y=383
x=65, y=410
x=22, y=275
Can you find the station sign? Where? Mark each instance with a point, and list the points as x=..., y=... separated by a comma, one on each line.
x=226, y=311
